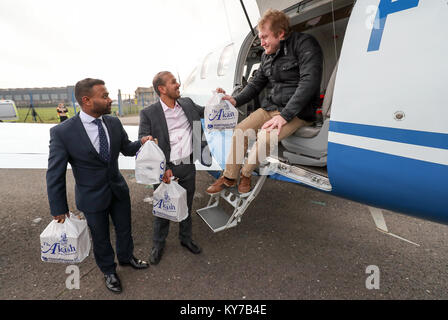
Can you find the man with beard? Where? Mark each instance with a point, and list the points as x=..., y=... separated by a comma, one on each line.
x=100, y=188
x=170, y=121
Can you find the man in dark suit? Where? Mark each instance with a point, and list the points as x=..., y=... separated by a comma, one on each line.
x=100, y=188
x=173, y=122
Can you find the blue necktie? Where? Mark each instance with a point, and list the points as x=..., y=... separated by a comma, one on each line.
x=104, y=145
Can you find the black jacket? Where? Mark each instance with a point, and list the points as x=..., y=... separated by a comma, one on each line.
x=153, y=122
x=293, y=74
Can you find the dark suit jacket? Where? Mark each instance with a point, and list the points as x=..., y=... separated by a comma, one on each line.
x=95, y=179
x=153, y=122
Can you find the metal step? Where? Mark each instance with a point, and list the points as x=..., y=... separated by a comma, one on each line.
x=298, y=174
x=217, y=218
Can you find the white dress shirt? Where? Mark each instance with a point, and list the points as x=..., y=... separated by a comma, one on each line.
x=179, y=130
x=92, y=129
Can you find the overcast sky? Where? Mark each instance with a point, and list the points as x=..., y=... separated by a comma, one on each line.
x=52, y=43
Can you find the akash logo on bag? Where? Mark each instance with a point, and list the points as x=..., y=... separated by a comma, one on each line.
x=62, y=247
x=165, y=204
x=222, y=114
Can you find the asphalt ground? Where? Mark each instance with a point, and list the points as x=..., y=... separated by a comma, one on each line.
x=292, y=243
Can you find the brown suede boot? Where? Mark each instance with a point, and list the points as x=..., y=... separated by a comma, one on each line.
x=221, y=183
x=244, y=186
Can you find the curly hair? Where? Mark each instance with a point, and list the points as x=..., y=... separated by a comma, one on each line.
x=278, y=21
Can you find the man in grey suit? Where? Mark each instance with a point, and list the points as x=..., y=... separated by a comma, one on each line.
x=100, y=188
x=170, y=121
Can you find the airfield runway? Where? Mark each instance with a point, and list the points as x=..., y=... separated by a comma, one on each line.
x=292, y=243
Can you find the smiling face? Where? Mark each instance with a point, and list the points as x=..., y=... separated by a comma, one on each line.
x=269, y=41
x=170, y=88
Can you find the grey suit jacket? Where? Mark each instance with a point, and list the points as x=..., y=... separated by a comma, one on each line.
x=153, y=122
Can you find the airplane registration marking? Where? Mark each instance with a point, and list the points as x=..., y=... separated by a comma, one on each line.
x=385, y=8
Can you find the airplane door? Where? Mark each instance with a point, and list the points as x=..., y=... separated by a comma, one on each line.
x=388, y=139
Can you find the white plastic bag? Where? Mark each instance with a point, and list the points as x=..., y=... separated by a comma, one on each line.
x=170, y=202
x=66, y=242
x=150, y=164
x=220, y=114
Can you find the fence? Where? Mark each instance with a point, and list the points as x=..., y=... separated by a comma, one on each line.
x=126, y=105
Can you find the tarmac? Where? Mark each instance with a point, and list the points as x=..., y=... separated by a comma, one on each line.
x=293, y=243
x=130, y=120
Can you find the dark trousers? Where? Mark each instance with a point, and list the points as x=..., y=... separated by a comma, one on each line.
x=98, y=222
x=62, y=118
x=187, y=179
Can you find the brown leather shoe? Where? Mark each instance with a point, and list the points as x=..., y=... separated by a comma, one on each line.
x=221, y=183
x=244, y=186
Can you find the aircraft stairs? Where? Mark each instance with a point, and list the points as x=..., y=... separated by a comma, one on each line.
x=218, y=218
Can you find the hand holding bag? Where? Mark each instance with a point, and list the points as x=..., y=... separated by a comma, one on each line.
x=150, y=164
x=220, y=114
x=66, y=242
x=170, y=202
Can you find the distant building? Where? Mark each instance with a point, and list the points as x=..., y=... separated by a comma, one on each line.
x=40, y=96
x=145, y=96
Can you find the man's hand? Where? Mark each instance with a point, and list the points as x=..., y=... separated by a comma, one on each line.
x=167, y=176
x=226, y=97
x=61, y=218
x=220, y=90
x=276, y=122
x=146, y=138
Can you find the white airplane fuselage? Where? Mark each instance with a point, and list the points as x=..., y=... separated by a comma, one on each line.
x=388, y=134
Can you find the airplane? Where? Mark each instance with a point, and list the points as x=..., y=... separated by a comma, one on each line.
x=383, y=140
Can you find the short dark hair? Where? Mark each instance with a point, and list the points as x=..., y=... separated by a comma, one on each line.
x=84, y=88
x=159, y=80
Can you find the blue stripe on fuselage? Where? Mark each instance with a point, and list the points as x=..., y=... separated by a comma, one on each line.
x=414, y=187
x=421, y=138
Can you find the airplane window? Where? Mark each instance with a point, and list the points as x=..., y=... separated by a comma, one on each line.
x=224, y=60
x=190, y=78
x=205, y=65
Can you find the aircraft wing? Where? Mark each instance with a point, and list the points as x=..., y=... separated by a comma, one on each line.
x=25, y=146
